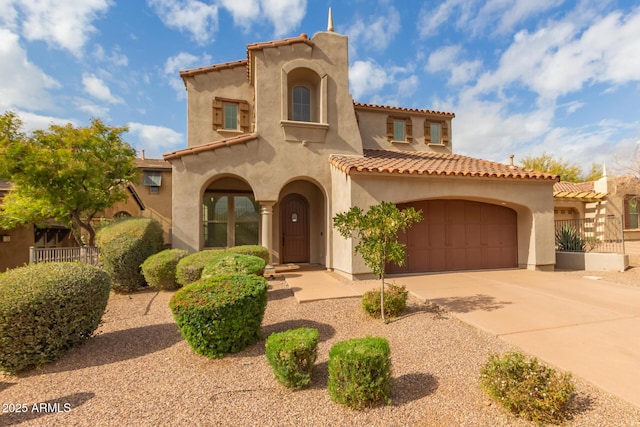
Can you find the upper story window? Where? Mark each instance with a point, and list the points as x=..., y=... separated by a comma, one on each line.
x=153, y=180
x=230, y=115
x=436, y=132
x=399, y=129
x=301, y=104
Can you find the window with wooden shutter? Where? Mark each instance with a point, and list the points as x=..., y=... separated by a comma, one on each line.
x=239, y=111
x=436, y=133
x=399, y=129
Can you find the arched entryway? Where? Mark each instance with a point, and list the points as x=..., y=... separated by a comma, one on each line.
x=460, y=235
x=294, y=226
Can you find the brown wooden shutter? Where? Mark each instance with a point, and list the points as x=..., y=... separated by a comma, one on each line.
x=408, y=125
x=445, y=133
x=217, y=114
x=244, y=117
x=427, y=132
x=390, y=128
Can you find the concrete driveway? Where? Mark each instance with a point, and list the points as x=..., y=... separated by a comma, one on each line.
x=589, y=327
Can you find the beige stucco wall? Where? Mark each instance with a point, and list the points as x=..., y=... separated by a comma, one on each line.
x=531, y=200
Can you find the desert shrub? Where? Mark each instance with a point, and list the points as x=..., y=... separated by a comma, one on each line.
x=229, y=263
x=255, y=250
x=568, y=239
x=124, y=245
x=221, y=314
x=159, y=270
x=45, y=309
x=527, y=388
x=360, y=372
x=292, y=354
x=395, y=301
x=189, y=268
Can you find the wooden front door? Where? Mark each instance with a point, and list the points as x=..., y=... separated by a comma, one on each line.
x=294, y=226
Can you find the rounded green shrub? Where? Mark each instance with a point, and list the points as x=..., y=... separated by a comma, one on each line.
x=45, y=309
x=159, y=270
x=221, y=314
x=229, y=263
x=124, y=245
x=255, y=250
x=395, y=301
x=360, y=372
x=189, y=268
x=292, y=354
x=527, y=388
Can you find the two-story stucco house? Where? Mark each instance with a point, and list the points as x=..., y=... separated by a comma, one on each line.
x=277, y=147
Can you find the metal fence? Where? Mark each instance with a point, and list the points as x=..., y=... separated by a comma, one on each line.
x=602, y=234
x=86, y=254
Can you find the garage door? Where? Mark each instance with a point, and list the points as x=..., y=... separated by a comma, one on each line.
x=459, y=235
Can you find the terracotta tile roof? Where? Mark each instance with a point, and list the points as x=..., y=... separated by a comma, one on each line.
x=580, y=191
x=152, y=164
x=215, y=67
x=425, y=163
x=361, y=106
x=210, y=146
x=302, y=38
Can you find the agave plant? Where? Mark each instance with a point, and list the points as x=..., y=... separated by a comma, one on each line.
x=568, y=240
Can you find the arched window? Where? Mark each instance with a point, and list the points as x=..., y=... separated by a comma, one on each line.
x=301, y=104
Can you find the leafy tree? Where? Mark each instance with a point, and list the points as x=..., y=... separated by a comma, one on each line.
x=566, y=170
x=377, y=231
x=65, y=173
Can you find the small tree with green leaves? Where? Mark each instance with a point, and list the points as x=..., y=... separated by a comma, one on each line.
x=377, y=232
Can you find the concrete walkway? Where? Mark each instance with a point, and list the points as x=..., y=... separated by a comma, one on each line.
x=588, y=327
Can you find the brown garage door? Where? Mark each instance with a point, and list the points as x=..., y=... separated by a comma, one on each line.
x=459, y=235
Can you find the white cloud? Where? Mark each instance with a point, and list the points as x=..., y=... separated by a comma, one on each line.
x=376, y=33
x=366, y=77
x=61, y=24
x=182, y=61
x=8, y=15
x=244, y=12
x=446, y=59
x=285, y=15
x=116, y=57
x=155, y=139
x=31, y=121
x=191, y=16
x=92, y=109
x=28, y=86
x=97, y=88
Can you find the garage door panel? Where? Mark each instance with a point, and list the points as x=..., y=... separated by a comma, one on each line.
x=460, y=235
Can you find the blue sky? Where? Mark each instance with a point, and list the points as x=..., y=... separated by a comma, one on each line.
x=522, y=76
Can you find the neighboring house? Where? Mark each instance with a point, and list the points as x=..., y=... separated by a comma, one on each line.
x=607, y=197
x=15, y=243
x=151, y=198
x=276, y=147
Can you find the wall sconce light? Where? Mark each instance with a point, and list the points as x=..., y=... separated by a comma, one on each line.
x=294, y=217
x=6, y=238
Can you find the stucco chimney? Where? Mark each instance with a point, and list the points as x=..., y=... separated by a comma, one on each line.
x=142, y=155
x=511, y=160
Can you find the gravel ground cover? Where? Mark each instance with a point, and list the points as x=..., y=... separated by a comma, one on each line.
x=138, y=371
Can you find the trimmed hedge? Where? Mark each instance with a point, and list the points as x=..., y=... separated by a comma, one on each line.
x=189, y=268
x=45, y=309
x=255, y=250
x=159, y=270
x=527, y=388
x=221, y=314
x=124, y=245
x=230, y=263
x=395, y=301
x=360, y=372
x=292, y=354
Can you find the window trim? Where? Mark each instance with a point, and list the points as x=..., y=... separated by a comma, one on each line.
x=230, y=218
x=628, y=214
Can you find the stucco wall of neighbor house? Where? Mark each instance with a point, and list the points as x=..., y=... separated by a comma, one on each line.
x=532, y=201
x=373, y=128
x=16, y=252
x=341, y=255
